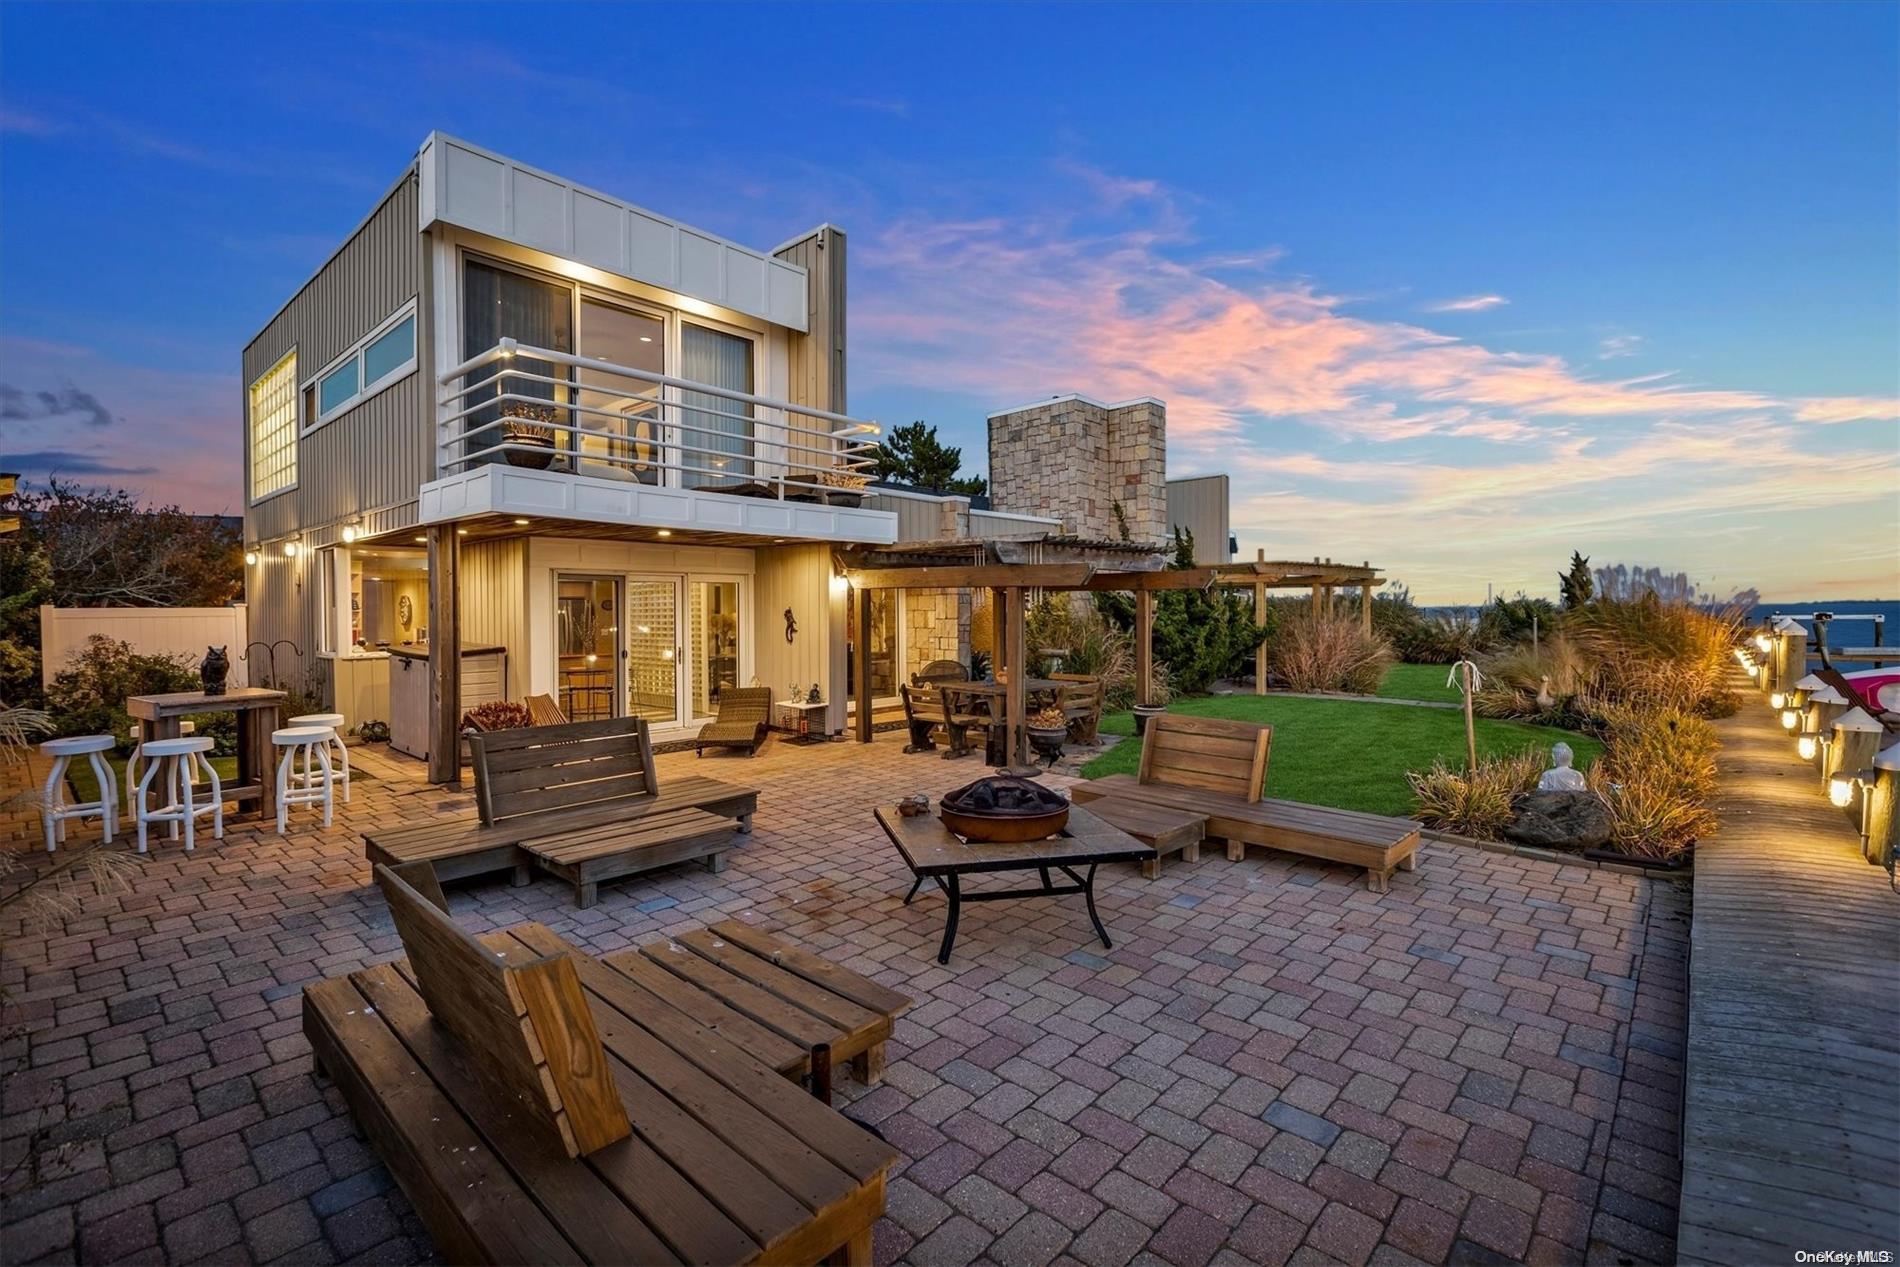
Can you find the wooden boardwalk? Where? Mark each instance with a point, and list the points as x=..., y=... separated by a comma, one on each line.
x=1791, y=1117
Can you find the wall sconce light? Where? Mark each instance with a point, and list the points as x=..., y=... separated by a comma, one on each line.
x=350, y=533
x=1763, y=643
x=250, y=557
x=1790, y=719
x=1808, y=745
x=1754, y=670
x=290, y=549
x=839, y=584
x=1778, y=699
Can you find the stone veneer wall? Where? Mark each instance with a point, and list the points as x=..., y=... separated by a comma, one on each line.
x=1075, y=458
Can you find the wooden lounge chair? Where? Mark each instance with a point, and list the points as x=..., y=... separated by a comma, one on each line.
x=1218, y=768
x=580, y=801
x=919, y=703
x=940, y=671
x=543, y=711
x=959, y=719
x=538, y=1107
x=745, y=714
x=1081, y=703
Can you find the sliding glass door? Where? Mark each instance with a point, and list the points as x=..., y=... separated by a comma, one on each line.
x=622, y=441
x=716, y=431
x=587, y=646
x=499, y=304
x=653, y=649
x=713, y=643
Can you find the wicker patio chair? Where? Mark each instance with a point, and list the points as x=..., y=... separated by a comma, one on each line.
x=745, y=713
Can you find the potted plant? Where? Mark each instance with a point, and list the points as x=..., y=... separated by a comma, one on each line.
x=1048, y=728
x=844, y=487
x=529, y=425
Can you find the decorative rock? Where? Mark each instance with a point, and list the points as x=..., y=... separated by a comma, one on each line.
x=1560, y=820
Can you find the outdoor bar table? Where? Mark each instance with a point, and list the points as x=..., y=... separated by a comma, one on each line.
x=259, y=712
x=934, y=852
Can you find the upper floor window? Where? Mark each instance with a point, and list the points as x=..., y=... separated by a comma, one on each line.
x=273, y=412
x=386, y=354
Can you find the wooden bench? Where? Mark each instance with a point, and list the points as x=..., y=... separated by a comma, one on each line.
x=778, y=999
x=1163, y=828
x=580, y=801
x=538, y=1107
x=1217, y=768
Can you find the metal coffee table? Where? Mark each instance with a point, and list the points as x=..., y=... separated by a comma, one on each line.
x=934, y=852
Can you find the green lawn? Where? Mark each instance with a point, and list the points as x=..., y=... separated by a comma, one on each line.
x=1419, y=681
x=1345, y=753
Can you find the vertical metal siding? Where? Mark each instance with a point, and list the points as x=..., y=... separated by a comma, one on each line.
x=377, y=454
x=365, y=465
x=1199, y=505
x=494, y=600
x=818, y=356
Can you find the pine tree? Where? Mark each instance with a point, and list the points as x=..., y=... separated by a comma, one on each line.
x=1577, y=586
x=913, y=455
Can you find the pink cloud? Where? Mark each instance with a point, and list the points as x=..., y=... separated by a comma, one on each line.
x=1828, y=409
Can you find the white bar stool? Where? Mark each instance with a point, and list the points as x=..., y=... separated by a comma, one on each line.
x=54, y=811
x=138, y=754
x=304, y=773
x=181, y=762
x=340, y=773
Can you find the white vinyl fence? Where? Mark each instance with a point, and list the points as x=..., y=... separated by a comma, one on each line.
x=172, y=631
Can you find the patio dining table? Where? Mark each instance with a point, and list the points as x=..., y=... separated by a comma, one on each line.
x=259, y=712
x=995, y=696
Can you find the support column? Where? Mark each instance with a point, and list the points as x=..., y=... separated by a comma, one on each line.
x=445, y=656
x=999, y=631
x=1016, y=694
x=861, y=667
x=1144, y=646
x=1260, y=652
x=1365, y=609
x=1319, y=599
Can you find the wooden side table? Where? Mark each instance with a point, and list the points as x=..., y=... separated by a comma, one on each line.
x=259, y=712
x=1169, y=830
x=803, y=722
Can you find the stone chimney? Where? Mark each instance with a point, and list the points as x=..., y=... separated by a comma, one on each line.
x=1077, y=459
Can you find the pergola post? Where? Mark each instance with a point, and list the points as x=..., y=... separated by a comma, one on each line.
x=445, y=656
x=1319, y=600
x=1365, y=603
x=1260, y=652
x=861, y=667
x=1144, y=647
x=1016, y=695
x=999, y=630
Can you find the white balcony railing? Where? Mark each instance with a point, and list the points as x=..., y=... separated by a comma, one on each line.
x=599, y=418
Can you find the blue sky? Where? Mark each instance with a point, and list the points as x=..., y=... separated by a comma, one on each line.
x=1455, y=288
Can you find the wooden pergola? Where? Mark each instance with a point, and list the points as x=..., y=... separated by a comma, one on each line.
x=1010, y=583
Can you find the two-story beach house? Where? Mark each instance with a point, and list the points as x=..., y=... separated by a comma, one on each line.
x=603, y=456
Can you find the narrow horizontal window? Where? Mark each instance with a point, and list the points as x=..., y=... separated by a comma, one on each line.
x=337, y=387
x=390, y=352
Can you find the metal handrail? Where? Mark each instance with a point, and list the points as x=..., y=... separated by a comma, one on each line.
x=844, y=448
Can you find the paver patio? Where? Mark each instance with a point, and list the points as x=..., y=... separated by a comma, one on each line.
x=1272, y=1064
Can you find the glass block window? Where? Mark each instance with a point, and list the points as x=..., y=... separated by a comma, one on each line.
x=273, y=411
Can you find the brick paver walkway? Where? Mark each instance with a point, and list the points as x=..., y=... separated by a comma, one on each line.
x=1272, y=1064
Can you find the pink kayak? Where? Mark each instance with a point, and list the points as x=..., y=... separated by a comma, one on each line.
x=1879, y=689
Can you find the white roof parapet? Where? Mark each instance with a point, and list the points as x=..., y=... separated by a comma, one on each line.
x=1078, y=396
x=473, y=188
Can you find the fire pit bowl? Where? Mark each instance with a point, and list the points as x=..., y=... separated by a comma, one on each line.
x=1002, y=809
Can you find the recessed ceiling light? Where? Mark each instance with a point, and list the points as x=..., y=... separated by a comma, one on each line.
x=420, y=539
x=646, y=338
x=521, y=523
x=666, y=532
x=461, y=532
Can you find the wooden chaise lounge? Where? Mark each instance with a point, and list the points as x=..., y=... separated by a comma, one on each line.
x=745, y=714
x=538, y=1107
x=579, y=801
x=1218, y=768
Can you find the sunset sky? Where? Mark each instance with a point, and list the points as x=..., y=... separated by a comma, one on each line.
x=1454, y=289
